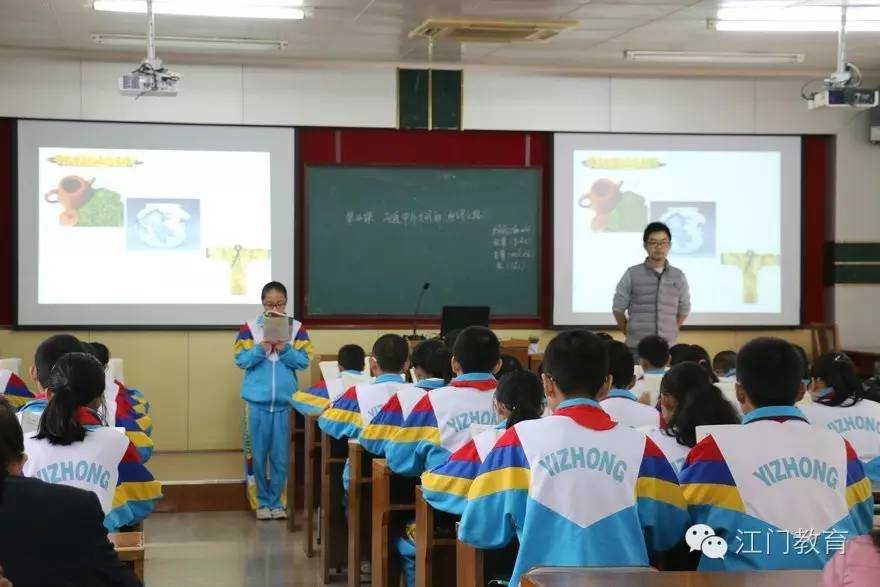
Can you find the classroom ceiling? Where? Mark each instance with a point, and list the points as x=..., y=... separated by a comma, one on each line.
x=377, y=31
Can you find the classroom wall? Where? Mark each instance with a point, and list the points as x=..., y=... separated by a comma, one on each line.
x=194, y=386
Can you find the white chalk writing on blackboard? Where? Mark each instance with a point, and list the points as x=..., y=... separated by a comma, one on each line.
x=415, y=217
x=512, y=246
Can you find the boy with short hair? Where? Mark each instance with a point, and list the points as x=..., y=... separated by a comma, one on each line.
x=347, y=416
x=442, y=421
x=782, y=493
x=724, y=365
x=431, y=363
x=622, y=404
x=316, y=399
x=654, y=359
x=576, y=488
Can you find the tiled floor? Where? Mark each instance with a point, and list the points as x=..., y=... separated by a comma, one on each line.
x=224, y=549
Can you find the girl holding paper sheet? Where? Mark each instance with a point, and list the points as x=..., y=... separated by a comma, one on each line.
x=269, y=384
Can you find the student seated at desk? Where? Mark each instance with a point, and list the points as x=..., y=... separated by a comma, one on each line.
x=72, y=447
x=775, y=479
x=653, y=354
x=688, y=399
x=133, y=401
x=116, y=409
x=431, y=363
x=442, y=421
x=842, y=404
x=14, y=389
x=576, y=488
x=621, y=403
x=45, y=357
x=519, y=397
x=315, y=399
x=356, y=408
x=724, y=365
x=50, y=534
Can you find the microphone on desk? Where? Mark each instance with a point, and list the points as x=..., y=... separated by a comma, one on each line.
x=425, y=288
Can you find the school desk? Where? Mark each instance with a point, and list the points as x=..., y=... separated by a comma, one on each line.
x=646, y=577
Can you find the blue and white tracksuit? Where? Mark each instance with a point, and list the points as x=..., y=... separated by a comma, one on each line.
x=268, y=388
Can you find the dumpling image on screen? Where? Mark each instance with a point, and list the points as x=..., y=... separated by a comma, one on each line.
x=163, y=224
x=692, y=225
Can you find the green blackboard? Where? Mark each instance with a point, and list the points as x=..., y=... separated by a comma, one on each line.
x=376, y=234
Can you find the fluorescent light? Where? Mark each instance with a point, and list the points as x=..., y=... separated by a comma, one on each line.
x=125, y=40
x=713, y=57
x=779, y=18
x=275, y=9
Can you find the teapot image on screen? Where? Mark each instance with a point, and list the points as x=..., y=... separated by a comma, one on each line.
x=72, y=193
x=162, y=226
x=615, y=210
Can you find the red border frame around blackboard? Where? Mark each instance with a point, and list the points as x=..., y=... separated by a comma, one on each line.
x=401, y=148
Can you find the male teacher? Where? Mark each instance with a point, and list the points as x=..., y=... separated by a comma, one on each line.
x=652, y=297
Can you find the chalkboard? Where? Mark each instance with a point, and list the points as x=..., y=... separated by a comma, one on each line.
x=374, y=235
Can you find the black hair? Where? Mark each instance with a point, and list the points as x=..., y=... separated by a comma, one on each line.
x=434, y=358
x=655, y=350
x=273, y=286
x=477, y=350
x=697, y=354
x=52, y=349
x=605, y=336
x=620, y=364
x=521, y=393
x=699, y=402
x=805, y=360
x=678, y=353
x=839, y=373
x=655, y=227
x=391, y=352
x=577, y=361
x=769, y=371
x=351, y=357
x=724, y=361
x=509, y=364
x=99, y=351
x=450, y=337
x=77, y=379
x=11, y=440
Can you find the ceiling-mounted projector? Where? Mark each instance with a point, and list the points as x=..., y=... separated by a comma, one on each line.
x=150, y=78
x=842, y=89
x=861, y=98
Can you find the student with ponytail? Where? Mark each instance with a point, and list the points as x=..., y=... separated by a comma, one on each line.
x=72, y=446
x=50, y=534
x=842, y=404
x=688, y=399
x=518, y=397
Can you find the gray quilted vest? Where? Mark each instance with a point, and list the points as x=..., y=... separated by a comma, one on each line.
x=653, y=305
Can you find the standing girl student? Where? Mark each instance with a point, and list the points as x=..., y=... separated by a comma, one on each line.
x=72, y=447
x=269, y=384
x=841, y=403
x=688, y=399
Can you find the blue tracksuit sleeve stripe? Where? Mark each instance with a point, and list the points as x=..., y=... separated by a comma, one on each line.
x=498, y=497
